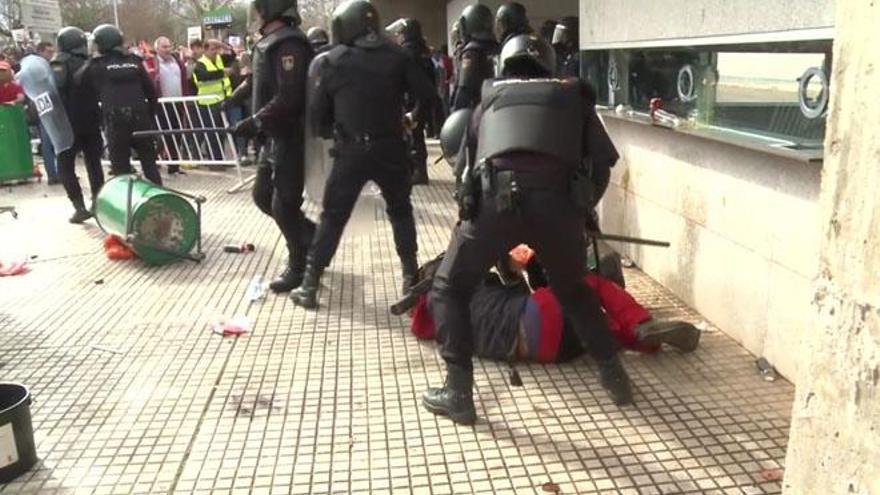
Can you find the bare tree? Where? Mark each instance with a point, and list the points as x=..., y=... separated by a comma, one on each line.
x=10, y=16
x=85, y=14
x=317, y=12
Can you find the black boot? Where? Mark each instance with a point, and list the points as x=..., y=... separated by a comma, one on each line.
x=80, y=214
x=292, y=276
x=679, y=334
x=306, y=295
x=613, y=377
x=410, y=268
x=456, y=398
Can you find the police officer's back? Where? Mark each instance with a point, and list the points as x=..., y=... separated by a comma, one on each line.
x=81, y=105
x=526, y=169
x=475, y=63
x=359, y=102
x=128, y=101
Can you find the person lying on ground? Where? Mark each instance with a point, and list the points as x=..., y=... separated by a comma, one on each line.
x=516, y=316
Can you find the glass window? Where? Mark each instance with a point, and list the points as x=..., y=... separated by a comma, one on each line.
x=776, y=93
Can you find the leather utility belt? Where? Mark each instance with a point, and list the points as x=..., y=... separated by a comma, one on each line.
x=506, y=187
x=364, y=141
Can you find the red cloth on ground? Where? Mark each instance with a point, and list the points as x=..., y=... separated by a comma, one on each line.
x=422, y=324
x=622, y=311
x=551, y=325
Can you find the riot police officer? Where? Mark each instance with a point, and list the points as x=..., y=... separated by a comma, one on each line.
x=511, y=20
x=128, y=101
x=280, y=62
x=412, y=40
x=565, y=42
x=359, y=101
x=475, y=63
x=319, y=39
x=82, y=109
x=525, y=178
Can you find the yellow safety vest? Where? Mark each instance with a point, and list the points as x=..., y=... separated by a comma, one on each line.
x=220, y=89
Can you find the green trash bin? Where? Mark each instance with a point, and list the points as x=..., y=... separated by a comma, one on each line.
x=159, y=224
x=16, y=161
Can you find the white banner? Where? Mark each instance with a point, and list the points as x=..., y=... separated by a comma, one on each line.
x=43, y=16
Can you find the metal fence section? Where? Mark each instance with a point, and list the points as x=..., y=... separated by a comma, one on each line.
x=195, y=148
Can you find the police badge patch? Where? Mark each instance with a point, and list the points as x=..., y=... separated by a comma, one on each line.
x=287, y=62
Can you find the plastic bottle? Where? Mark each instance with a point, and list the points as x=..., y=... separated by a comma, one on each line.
x=238, y=248
x=256, y=291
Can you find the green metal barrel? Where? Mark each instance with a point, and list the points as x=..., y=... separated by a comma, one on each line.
x=16, y=162
x=163, y=227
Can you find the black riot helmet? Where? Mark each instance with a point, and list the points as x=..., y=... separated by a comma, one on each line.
x=354, y=19
x=318, y=37
x=271, y=10
x=73, y=40
x=107, y=37
x=566, y=33
x=510, y=20
x=527, y=55
x=476, y=23
x=452, y=133
x=411, y=30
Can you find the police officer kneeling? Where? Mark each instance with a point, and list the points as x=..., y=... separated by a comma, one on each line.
x=358, y=102
x=524, y=177
x=128, y=101
x=278, y=98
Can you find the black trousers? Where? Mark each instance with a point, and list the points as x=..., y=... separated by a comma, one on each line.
x=419, y=152
x=549, y=222
x=92, y=146
x=385, y=164
x=278, y=191
x=120, y=124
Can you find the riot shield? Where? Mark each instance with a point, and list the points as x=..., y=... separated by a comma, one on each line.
x=38, y=81
x=368, y=210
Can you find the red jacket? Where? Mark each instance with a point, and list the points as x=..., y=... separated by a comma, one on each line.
x=152, y=65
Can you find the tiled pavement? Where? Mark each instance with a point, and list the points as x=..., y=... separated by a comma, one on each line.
x=134, y=394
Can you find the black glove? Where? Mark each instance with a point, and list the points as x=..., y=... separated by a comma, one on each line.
x=246, y=128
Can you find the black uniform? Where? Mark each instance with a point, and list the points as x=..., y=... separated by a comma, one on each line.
x=419, y=51
x=359, y=102
x=475, y=65
x=81, y=105
x=540, y=155
x=278, y=90
x=128, y=102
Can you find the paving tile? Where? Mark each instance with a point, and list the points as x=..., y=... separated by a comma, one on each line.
x=136, y=395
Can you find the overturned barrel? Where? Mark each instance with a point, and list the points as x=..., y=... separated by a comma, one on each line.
x=17, y=451
x=158, y=224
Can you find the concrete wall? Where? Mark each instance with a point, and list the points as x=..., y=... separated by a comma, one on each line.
x=609, y=21
x=743, y=228
x=835, y=428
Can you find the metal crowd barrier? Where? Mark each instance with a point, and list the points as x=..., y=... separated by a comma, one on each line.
x=200, y=145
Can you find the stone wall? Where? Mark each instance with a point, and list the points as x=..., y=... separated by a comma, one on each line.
x=743, y=228
x=611, y=21
x=835, y=435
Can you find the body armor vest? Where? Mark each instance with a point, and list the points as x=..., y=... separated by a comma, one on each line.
x=263, y=81
x=543, y=116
